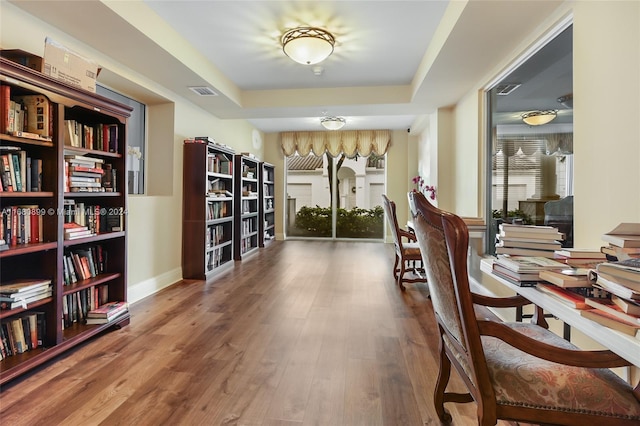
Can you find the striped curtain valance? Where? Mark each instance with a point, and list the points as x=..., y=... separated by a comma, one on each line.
x=349, y=142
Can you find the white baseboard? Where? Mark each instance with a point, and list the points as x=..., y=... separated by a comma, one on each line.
x=148, y=287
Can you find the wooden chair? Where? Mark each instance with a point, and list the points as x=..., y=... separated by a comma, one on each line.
x=513, y=371
x=408, y=258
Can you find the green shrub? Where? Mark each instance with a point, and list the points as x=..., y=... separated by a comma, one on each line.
x=354, y=223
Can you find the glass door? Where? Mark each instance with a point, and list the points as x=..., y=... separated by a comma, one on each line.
x=337, y=198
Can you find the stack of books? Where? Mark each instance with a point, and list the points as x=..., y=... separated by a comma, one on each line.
x=74, y=230
x=623, y=242
x=528, y=240
x=19, y=293
x=107, y=313
x=580, y=258
x=524, y=271
x=621, y=280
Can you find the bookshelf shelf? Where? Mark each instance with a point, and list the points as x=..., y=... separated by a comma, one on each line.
x=6, y=313
x=42, y=167
x=207, y=220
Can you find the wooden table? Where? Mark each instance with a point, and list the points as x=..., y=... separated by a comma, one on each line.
x=628, y=347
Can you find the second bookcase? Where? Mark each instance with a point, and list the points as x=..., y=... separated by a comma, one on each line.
x=246, y=170
x=267, y=204
x=207, y=226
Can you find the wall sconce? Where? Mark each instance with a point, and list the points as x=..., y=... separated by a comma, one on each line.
x=333, y=123
x=308, y=45
x=538, y=118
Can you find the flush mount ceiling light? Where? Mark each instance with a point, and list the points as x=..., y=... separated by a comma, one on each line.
x=566, y=100
x=538, y=118
x=308, y=45
x=333, y=123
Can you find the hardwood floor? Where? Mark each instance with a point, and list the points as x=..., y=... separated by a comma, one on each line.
x=301, y=333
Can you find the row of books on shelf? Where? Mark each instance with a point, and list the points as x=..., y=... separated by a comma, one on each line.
x=218, y=210
x=26, y=115
x=219, y=188
x=91, y=306
x=20, y=172
x=247, y=243
x=19, y=293
x=81, y=219
x=100, y=137
x=248, y=226
x=219, y=163
x=217, y=257
x=22, y=333
x=84, y=263
x=21, y=224
x=217, y=235
x=88, y=174
x=249, y=206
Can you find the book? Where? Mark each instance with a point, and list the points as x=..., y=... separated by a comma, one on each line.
x=39, y=114
x=618, y=252
x=108, y=310
x=529, y=263
x=607, y=305
x=618, y=286
x=531, y=232
x=516, y=251
x=527, y=243
x=93, y=321
x=23, y=285
x=18, y=335
x=24, y=301
x=537, y=229
x=517, y=276
x=5, y=106
x=580, y=253
x=627, y=306
x=628, y=269
x=566, y=278
x=608, y=320
x=624, y=235
x=568, y=297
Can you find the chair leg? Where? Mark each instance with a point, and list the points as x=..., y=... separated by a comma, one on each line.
x=441, y=386
x=401, y=275
x=395, y=268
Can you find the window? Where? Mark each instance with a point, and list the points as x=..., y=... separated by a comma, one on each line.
x=531, y=165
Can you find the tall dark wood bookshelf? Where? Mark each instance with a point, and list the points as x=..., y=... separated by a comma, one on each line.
x=42, y=255
x=267, y=227
x=247, y=194
x=208, y=208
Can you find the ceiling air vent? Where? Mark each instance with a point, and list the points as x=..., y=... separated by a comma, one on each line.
x=505, y=88
x=203, y=91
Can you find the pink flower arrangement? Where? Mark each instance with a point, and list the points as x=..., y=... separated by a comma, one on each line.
x=421, y=186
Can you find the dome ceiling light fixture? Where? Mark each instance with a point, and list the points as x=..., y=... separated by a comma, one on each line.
x=566, y=100
x=333, y=123
x=538, y=118
x=308, y=45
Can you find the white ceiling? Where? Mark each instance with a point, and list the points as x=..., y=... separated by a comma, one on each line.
x=387, y=71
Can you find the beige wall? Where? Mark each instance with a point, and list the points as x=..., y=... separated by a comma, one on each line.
x=606, y=118
x=606, y=126
x=154, y=220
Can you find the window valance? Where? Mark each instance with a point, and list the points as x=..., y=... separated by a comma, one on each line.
x=349, y=142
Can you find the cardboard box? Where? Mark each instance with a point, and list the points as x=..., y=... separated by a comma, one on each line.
x=69, y=67
x=23, y=58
